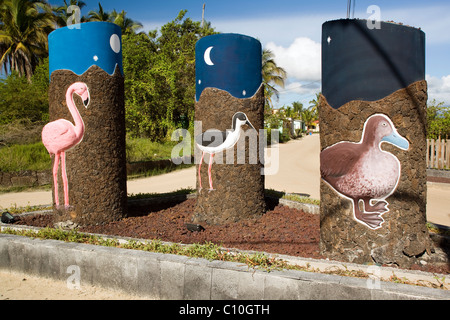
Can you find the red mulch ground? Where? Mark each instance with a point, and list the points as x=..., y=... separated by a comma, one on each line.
x=281, y=230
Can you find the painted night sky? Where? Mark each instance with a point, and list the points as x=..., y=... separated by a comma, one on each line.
x=80, y=46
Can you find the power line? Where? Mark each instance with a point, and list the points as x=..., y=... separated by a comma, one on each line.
x=298, y=86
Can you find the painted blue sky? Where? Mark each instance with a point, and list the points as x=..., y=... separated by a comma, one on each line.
x=292, y=30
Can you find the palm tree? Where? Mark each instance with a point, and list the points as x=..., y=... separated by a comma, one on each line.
x=99, y=15
x=126, y=24
x=309, y=116
x=272, y=75
x=297, y=107
x=61, y=12
x=25, y=25
x=120, y=18
x=315, y=103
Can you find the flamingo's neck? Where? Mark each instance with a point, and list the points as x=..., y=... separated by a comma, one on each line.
x=79, y=124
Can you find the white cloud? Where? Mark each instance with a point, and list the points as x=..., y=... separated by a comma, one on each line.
x=301, y=60
x=439, y=88
x=282, y=29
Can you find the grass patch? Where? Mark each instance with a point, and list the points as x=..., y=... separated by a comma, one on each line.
x=141, y=149
x=436, y=229
x=183, y=191
x=24, y=157
x=34, y=156
x=208, y=250
x=292, y=197
x=28, y=209
x=158, y=171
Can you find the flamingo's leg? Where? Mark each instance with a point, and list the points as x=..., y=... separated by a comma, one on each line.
x=209, y=172
x=199, y=174
x=64, y=177
x=55, y=177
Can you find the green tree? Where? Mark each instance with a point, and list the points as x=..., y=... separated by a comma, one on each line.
x=160, y=73
x=438, y=120
x=99, y=15
x=297, y=108
x=273, y=76
x=314, y=103
x=126, y=24
x=20, y=99
x=24, y=28
x=309, y=116
x=145, y=89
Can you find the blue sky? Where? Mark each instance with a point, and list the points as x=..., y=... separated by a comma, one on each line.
x=292, y=30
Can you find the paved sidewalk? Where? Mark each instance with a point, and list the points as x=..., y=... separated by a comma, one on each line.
x=299, y=172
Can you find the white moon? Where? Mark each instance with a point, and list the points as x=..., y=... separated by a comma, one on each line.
x=208, y=57
x=115, y=43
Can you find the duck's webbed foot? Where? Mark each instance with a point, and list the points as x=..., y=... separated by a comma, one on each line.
x=379, y=207
x=372, y=219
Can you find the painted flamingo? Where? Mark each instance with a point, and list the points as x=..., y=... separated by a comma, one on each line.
x=61, y=135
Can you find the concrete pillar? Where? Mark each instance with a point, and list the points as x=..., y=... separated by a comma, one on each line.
x=229, y=97
x=87, y=128
x=373, y=142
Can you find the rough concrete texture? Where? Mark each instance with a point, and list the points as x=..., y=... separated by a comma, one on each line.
x=170, y=277
x=96, y=168
x=403, y=236
x=239, y=186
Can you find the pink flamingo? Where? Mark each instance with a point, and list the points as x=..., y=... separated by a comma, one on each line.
x=61, y=135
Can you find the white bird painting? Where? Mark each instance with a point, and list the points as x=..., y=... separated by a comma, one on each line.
x=212, y=143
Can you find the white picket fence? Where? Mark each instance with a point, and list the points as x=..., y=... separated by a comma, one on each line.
x=438, y=154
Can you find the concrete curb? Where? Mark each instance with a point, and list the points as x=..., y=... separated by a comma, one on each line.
x=438, y=173
x=171, y=277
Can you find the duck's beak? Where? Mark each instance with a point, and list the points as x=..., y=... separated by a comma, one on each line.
x=397, y=140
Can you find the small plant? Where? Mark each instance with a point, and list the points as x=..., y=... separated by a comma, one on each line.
x=291, y=197
x=435, y=229
x=18, y=210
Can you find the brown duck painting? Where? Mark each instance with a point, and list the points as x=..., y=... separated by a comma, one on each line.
x=363, y=171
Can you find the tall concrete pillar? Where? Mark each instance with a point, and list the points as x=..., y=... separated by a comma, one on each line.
x=373, y=143
x=229, y=112
x=86, y=135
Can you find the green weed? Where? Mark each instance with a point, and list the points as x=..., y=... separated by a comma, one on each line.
x=24, y=157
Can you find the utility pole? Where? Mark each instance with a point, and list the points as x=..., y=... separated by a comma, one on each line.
x=349, y=9
x=203, y=15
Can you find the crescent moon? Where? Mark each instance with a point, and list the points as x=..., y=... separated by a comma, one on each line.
x=207, y=57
